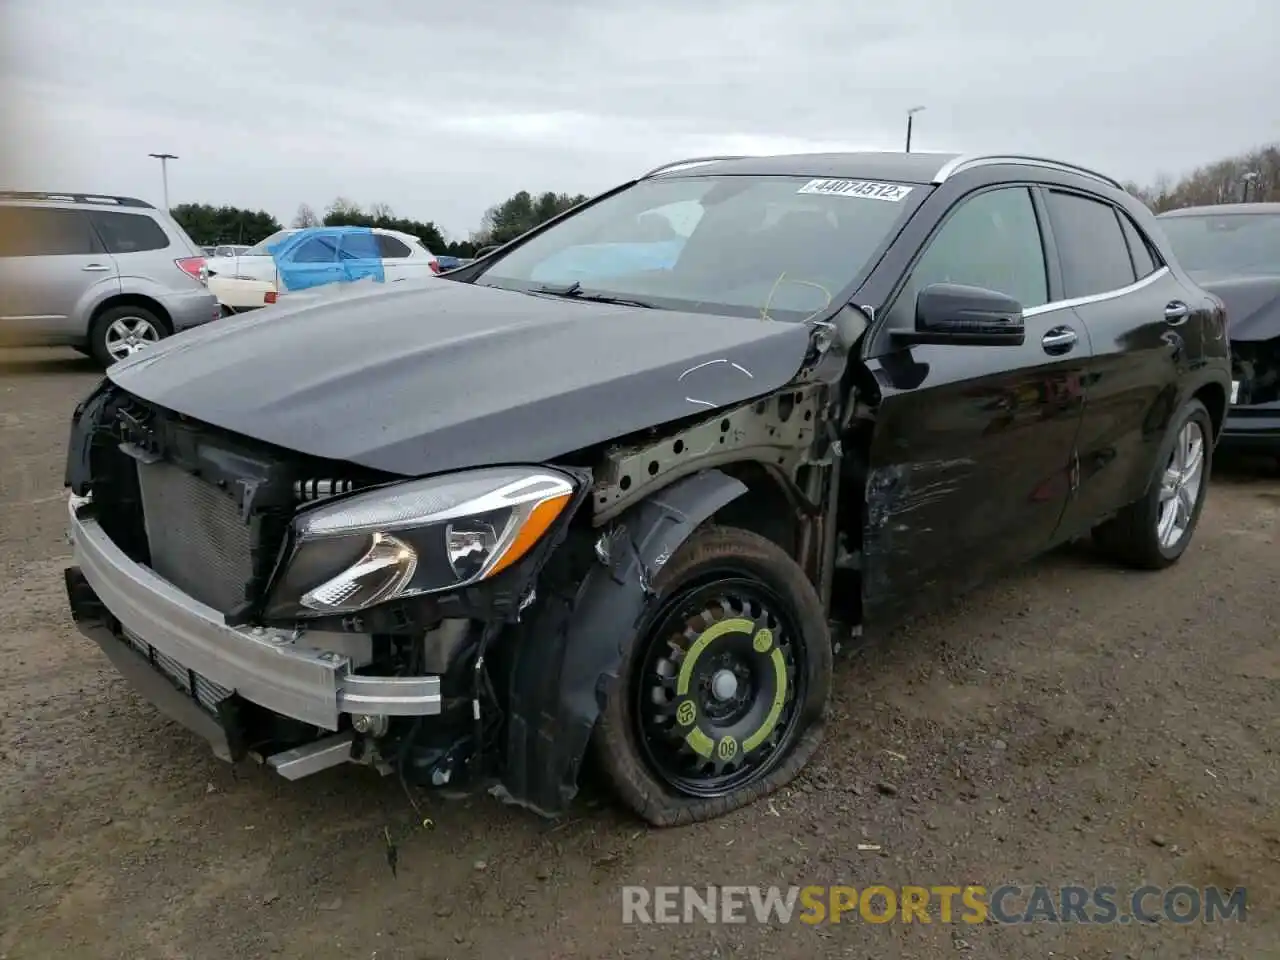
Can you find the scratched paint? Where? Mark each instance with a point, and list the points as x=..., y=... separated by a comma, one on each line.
x=894, y=495
x=703, y=382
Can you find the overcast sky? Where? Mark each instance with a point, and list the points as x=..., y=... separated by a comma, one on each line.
x=442, y=109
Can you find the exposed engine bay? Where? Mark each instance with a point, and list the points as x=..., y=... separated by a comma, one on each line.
x=215, y=515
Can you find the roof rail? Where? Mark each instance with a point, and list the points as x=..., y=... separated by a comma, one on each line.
x=952, y=167
x=688, y=163
x=74, y=198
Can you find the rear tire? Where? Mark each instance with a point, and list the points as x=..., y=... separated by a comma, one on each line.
x=723, y=694
x=122, y=331
x=1152, y=533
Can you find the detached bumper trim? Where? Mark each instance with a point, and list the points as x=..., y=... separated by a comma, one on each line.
x=271, y=668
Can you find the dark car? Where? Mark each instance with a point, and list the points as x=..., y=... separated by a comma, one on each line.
x=1233, y=250
x=601, y=493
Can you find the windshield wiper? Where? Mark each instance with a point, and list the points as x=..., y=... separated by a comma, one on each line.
x=573, y=291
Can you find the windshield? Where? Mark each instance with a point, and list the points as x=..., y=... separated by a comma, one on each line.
x=260, y=249
x=1226, y=244
x=781, y=247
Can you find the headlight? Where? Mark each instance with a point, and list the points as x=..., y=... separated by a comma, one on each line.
x=422, y=536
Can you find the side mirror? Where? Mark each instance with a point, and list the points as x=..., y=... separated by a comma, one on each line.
x=963, y=315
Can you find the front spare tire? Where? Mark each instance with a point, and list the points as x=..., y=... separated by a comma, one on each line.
x=722, y=698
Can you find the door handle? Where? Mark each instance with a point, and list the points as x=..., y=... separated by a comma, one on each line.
x=1175, y=311
x=95, y=268
x=1058, y=340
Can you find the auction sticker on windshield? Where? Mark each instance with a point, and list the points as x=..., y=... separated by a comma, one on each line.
x=892, y=192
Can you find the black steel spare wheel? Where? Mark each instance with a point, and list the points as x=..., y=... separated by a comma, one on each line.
x=717, y=691
x=722, y=698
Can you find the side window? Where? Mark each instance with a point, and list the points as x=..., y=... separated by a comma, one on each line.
x=359, y=246
x=35, y=232
x=1145, y=260
x=1091, y=244
x=392, y=249
x=316, y=250
x=130, y=232
x=991, y=240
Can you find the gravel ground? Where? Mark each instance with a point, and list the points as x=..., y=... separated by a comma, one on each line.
x=1071, y=723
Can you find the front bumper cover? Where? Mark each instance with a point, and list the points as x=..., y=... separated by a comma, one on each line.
x=271, y=668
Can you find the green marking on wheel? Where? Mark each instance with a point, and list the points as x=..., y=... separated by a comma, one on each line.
x=702, y=744
x=686, y=713
x=775, y=709
x=763, y=640
x=727, y=748
x=734, y=625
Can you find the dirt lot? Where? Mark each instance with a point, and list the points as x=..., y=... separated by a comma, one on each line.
x=1070, y=724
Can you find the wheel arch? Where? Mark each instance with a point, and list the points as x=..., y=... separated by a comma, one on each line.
x=1214, y=398
x=569, y=656
x=132, y=300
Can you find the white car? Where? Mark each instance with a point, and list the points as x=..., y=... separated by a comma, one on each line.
x=254, y=278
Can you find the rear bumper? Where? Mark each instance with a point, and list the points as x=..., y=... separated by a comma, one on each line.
x=239, y=294
x=190, y=308
x=1252, y=427
x=271, y=668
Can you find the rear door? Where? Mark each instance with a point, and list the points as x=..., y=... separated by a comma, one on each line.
x=310, y=261
x=1134, y=311
x=361, y=257
x=971, y=456
x=51, y=263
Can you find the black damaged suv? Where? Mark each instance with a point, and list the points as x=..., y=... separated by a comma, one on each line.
x=604, y=489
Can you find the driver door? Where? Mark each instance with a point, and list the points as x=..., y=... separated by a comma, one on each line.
x=971, y=460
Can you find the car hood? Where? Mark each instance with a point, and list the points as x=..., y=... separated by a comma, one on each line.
x=449, y=375
x=1253, y=305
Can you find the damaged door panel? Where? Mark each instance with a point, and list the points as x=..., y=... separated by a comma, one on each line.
x=970, y=465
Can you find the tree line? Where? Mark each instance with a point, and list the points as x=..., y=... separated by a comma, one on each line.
x=1253, y=176
x=207, y=224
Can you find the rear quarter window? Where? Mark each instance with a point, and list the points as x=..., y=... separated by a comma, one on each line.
x=130, y=232
x=1145, y=260
x=392, y=248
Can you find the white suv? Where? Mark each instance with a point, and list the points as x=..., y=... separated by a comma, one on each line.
x=254, y=278
x=107, y=275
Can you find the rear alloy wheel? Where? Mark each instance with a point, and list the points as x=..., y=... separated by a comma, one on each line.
x=1153, y=532
x=722, y=699
x=121, y=332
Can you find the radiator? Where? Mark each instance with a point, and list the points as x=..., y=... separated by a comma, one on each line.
x=197, y=539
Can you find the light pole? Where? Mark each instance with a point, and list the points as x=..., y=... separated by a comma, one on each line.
x=1248, y=179
x=910, y=114
x=164, y=159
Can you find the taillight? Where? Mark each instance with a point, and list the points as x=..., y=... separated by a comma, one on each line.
x=270, y=296
x=434, y=265
x=193, y=267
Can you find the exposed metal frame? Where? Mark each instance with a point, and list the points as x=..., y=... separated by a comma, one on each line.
x=101, y=198
x=688, y=163
x=968, y=161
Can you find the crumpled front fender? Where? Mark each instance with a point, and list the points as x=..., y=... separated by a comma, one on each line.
x=569, y=656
